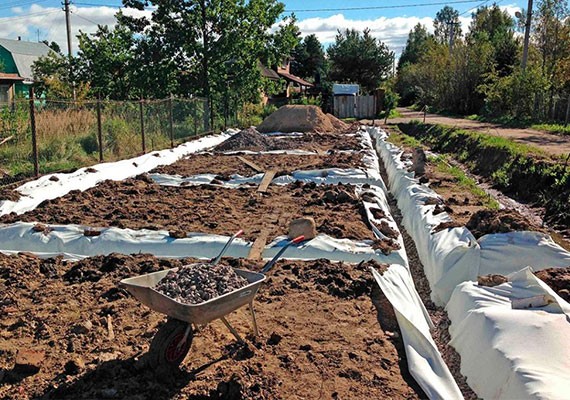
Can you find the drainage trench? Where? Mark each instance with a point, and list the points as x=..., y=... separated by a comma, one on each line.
x=437, y=314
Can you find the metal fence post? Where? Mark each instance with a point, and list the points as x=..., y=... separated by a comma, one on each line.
x=99, y=130
x=142, y=125
x=206, y=115
x=34, y=138
x=171, y=121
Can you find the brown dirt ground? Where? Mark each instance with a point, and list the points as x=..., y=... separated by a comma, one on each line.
x=139, y=203
x=548, y=142
x=319, y=336
x=318, y=142
x=227, y=165
x=485, y=222
x=558, y=279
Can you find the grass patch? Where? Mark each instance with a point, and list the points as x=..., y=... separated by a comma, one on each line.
x=522, y=171
x=558, y=129
x=463, y=181
x=400, y=139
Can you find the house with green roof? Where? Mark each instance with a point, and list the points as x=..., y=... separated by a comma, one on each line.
x=16, y=59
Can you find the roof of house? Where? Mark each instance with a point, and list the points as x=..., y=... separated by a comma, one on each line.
x=25, y=54
x=268, y=72
x=345, y=89
x=10, y=77
x=294, y=78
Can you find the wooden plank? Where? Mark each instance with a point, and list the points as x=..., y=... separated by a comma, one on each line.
x=251, y=164
x=267, y=178
x=258, y=245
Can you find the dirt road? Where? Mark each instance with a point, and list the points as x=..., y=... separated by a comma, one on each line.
x=552, y=144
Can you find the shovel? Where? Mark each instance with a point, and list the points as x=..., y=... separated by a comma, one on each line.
x=272, y=262
x=219, y=257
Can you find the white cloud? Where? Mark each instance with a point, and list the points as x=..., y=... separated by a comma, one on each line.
x=48, y=23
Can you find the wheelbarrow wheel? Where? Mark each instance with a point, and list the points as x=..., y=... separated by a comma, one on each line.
x=167, y=347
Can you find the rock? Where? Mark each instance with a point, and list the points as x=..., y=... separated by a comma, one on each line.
x=419, y=161
x=109, y=393
x=82, y=328
x=343, y=197
x=53, y=178
x=303, y=226
x=274, y=339
x=29, y=361
x=74, y=366
x=329, y=196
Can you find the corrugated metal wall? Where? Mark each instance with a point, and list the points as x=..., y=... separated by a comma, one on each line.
x=354, y=106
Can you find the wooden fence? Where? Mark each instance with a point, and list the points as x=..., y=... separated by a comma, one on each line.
x=355, y=106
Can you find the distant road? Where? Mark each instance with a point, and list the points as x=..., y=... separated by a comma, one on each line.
x=552, y=144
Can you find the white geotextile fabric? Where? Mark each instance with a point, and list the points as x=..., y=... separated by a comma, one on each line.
x=34, y=192
x=70, y=240
x=511, y=353
x=452, y=256
x=424, y=360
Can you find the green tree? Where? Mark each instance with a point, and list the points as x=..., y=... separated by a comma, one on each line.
x=308, y=58
x=214, y=44
x=416, y=46
x=498, y=28
x=359, y=58
x=446, y=21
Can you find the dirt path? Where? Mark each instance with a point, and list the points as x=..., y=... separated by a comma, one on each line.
x=552, y=144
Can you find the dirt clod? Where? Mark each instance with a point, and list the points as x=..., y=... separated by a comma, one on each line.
x=558, y=279
x=491, y=280
x=498, y=221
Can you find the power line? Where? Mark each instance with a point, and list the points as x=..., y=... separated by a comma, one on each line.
x=384, y=7
x=84, y=18
x=6, y=20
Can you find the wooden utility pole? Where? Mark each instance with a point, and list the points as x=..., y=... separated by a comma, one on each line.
x=526, y=34
x=69, y=54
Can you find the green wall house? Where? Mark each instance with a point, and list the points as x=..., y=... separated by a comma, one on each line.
x=16, y=59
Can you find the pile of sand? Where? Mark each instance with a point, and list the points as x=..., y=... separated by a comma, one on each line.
x=298, y=118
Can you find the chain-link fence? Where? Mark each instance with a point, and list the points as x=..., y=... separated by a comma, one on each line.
x=69, y=134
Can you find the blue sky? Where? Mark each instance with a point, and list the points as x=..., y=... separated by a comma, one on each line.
x=44, y=19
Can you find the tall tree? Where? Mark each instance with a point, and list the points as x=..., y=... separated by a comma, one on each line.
x=416, y=46
x=308, y=58
x=359, y=58
x=498, y=28
x=216, y=43
x=446, y=21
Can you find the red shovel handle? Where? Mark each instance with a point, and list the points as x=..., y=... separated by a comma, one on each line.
x=298, y=239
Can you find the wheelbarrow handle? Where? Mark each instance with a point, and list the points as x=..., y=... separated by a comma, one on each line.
x=272, y=262
x=219, y=257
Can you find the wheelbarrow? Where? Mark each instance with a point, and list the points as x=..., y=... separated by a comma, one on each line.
x=173, y=340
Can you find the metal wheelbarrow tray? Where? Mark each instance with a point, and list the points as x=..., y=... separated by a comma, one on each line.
x=142, y=288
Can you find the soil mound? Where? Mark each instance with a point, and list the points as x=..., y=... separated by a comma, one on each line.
x=498, y=221
x=247, y=139
x=296, y=118
x=558, y=279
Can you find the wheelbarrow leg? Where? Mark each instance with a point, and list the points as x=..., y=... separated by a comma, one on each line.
x=255, y=330
x=231, y=328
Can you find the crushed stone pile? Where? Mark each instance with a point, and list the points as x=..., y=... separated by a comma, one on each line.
x=249, y=139
x=197, y=283
x=297, y=118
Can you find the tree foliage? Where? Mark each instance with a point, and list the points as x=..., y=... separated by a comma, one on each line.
x=446, y=21
x=359, y=58
x=309, y=59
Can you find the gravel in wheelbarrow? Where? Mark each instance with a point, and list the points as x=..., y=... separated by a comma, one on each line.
x=196, y=283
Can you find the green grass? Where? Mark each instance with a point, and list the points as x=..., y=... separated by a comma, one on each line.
x=463, y=181
x=399, y=138
x=558, y=129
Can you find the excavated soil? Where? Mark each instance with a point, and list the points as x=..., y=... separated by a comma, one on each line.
x=299, y=118
x=498, y=221
x=139, y=203
x=252, y=140
x=319, y=336
x=227, y=165
x=558, y=279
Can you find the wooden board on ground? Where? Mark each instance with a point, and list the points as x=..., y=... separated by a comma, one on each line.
x=267, y=178
x=258, y=246
x=250, y=164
